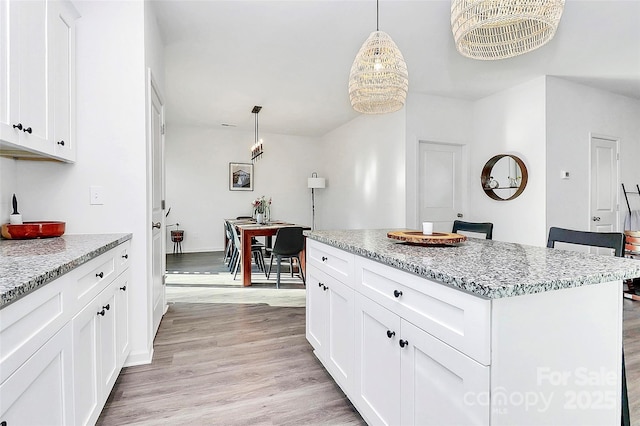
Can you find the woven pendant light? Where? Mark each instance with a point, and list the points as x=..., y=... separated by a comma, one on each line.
x=499, y=29
x=379, y=80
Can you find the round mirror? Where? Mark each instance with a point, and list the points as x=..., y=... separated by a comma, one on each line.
x=504, y=177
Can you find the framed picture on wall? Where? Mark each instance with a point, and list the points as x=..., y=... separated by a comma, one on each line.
x=240, y=177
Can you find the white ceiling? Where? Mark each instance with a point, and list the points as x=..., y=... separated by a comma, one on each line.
x=293, y=57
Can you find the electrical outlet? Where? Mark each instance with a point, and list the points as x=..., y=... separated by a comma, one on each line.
x=96, y=195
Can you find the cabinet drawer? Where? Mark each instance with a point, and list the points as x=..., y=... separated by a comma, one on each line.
x=459, y=319
x=96, y=275
x=123, y=256
x=28, y=323
x=335, y=262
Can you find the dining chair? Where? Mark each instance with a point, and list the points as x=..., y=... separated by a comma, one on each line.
x=612, y=240
x=256, y=251
x=289, y=243
x=485, y=228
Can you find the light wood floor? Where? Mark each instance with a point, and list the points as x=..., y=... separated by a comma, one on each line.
x=245, y=363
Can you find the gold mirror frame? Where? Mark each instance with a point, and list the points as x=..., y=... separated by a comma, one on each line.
x=486, y=177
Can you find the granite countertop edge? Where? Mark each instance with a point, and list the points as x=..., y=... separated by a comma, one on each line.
x=478, y=289
x=21, y=290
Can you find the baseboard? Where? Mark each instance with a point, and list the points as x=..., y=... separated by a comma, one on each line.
x=139, y=358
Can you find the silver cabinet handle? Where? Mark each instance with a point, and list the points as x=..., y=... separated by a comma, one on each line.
x=156, y=225
x=595, y=219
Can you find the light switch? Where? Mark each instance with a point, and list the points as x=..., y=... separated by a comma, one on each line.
x=97, y=195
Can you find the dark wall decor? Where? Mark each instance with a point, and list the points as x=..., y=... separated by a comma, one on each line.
x=504, y=177
x=240, y=177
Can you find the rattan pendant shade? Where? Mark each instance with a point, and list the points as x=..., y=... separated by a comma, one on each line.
x=499, y=29
x=379, y=80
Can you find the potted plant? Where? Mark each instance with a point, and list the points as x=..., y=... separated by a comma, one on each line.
x=262, y=209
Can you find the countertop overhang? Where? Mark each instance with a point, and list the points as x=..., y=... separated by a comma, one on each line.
x=486, y=268
x=26, y=265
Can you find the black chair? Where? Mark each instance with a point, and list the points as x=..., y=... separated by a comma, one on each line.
x=485, y=228
x=289, y=243
x=612, y=240
x=236, y=259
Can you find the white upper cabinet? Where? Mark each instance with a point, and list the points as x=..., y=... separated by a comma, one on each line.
x=37, y=79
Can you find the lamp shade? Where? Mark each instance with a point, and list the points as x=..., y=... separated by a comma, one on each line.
x=379, y=80
x=316, y=182
x=499, y=29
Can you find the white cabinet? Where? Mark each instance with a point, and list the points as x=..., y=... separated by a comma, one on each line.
x=37, y=79
x=38, y=393
x=61, y=40
x=64, y=345
x=330, y=324
x=100, y=341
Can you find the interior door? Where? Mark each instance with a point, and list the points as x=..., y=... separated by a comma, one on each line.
x=158, y=238
x=604, y=185
x=440, y=185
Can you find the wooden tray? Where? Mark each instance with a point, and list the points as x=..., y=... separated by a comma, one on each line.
x=417, y=237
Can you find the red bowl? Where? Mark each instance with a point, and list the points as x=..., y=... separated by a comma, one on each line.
x=33, y=230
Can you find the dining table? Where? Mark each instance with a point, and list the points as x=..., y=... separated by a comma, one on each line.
x=249, y=228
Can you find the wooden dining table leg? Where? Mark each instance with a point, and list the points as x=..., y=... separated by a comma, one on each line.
x=246, y=258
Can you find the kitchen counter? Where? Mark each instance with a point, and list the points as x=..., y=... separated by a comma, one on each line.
x=487, y=268
x=26, y=265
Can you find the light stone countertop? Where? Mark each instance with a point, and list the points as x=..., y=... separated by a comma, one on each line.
x=26, y=265
x=487, y=268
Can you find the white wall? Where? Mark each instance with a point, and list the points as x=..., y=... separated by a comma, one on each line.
x=434, y=119
x=364, y=164
x=573, y=112
x=511, y=122
x=8, y=185
x=197, y=173
x=111, y=146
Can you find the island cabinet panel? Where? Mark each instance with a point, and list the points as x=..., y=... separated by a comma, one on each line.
x=38, y=393
x=330, y=324
x=429, y=354
x=438, y=382
x=457, y=318
x=333, y=261
x=377, y=363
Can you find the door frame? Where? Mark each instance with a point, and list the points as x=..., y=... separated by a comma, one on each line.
x=465, y=176
x=615, y=139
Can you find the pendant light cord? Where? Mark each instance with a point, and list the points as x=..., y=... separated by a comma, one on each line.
x=377, y=15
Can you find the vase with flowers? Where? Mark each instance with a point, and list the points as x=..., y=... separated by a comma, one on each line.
x=262, y=209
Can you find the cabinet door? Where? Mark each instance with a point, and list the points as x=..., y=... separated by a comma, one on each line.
x=107, y=342
x=377, y=372
x=39, y=392
x=440, y=385
x=61, y=62
x=86, y=363
x=122, y=318
x=317, y=310
x=340, y=354
x=29, y=30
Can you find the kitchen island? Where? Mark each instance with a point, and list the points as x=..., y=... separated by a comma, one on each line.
x=483, y=332
x=64, y=326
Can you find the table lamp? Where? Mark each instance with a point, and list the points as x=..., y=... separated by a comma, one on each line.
x=314, y=182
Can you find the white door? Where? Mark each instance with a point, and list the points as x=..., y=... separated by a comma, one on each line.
x=604, y=185
x=440, y=184
x=156, y=143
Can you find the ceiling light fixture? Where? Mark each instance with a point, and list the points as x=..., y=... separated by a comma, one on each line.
x=500, y=29
x=379, y=80
x=256, y=148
